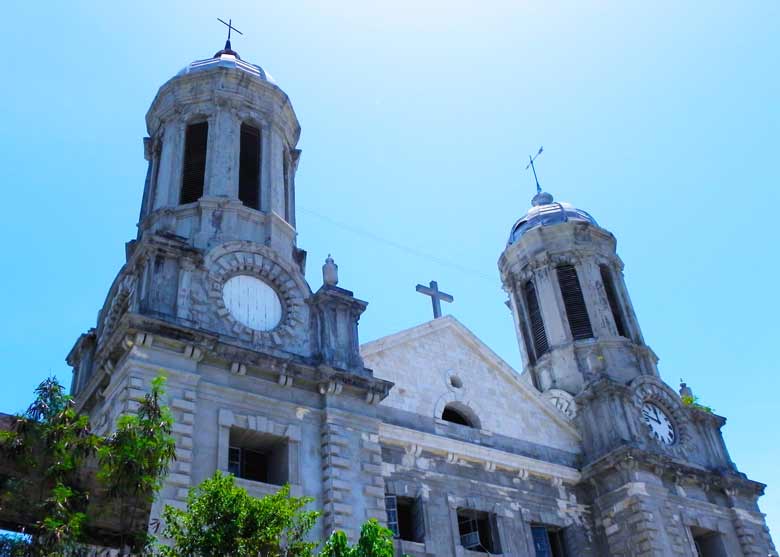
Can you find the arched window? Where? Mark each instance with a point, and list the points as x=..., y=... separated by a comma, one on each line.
x=614, y=304
x=458, y=414
x=249, y=167
x=574, y=302
x=538, y=334
x=194, y=170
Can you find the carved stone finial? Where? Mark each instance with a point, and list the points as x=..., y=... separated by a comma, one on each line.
x=685, y=390
x=330, y=272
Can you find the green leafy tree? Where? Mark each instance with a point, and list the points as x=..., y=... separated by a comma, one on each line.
x=48, y=444
x=52, y=448
x=221, y=518
x=375, y=541
x=134, y=460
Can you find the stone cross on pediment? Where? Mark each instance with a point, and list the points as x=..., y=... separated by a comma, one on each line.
x=437, y=296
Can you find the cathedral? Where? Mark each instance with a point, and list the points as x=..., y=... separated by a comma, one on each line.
x=585, y=452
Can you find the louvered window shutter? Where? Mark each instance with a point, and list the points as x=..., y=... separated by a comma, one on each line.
x=614, y=305
x=538, y=333
x=249, y=167
x=574, y=302
x=194, y=170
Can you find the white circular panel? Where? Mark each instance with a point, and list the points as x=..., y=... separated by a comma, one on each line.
x=660, y=425
x=252, y=302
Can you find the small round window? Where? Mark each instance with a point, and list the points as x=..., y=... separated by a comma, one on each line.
x=252, y=302
x=456, y=381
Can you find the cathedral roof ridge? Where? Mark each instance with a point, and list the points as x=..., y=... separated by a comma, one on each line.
x=384, y=342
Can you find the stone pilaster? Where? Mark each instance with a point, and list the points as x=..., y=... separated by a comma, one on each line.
x=178, y=481
x=352, y=482
x=750, y=526
x=675, y=530
x=223, y=152
x=371, y=466
x=632, y=527
x=336, y=512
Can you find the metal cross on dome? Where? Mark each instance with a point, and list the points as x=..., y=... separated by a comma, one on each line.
x=230, y=27
x=532, y=167
x=437, y=296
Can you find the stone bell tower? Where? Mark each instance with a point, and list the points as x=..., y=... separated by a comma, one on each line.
x=222, y=157
x=572, y=312
x=656, y=470
x=265, y=376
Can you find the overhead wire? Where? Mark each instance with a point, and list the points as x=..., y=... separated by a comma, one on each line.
x=401, y=247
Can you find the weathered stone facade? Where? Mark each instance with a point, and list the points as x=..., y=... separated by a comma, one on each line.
x=426, y=429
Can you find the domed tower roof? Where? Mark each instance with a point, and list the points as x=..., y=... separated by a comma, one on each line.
x=226, y=58
x=547, y=212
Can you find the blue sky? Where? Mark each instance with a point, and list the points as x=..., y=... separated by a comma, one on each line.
x=660, y=119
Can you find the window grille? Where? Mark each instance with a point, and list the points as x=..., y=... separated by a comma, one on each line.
x=392, y=514
x=234, y=461
x=249, y=167
x=469, y=532
x=194, y=171
x=405, y=517
x=574, y=302
x=470, y=540
x=478, y=531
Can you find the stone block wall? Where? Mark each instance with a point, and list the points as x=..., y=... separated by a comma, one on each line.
x=646, y=518
x=516, y=500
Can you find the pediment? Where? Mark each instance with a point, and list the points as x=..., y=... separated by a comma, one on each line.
x=442, y=362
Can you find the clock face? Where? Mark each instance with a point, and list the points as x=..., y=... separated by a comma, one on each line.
x=659, y=423
x=252, y=302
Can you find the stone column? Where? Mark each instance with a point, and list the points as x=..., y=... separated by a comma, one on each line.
x=223, y=152
x=295, y=157
x=632, y=323
x=265, y=169
x=599, y=310
x=551, y=306
x=276, y=169
x=166, y=192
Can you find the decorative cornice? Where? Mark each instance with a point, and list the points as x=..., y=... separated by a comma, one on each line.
x=194, y=344
x=634, y=458
x=460, y=451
